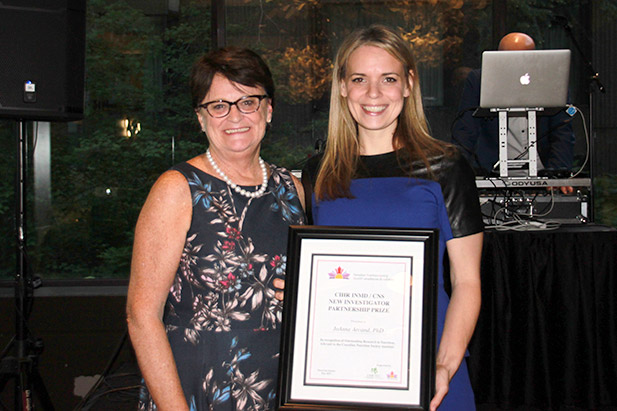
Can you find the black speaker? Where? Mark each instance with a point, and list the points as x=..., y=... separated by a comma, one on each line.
x=42, y=59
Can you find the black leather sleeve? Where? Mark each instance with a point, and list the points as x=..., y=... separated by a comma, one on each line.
x=458, y=185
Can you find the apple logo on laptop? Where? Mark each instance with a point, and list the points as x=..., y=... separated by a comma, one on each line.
x=525, y=80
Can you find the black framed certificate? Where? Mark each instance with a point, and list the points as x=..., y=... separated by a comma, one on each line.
x=359, y=319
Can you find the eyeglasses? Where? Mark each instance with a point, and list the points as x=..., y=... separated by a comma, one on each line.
x=220, y=108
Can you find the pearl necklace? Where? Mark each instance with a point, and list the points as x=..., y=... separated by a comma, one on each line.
x=236, y=188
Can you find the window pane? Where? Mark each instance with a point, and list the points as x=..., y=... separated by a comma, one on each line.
x=299, y=39
x=138, y=122
x=8, y=163
x=87, y=180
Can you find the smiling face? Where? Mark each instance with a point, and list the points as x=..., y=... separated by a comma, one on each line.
x=236, y=133
x=375, y=87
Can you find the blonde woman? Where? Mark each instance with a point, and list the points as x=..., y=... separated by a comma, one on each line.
x=381, y=167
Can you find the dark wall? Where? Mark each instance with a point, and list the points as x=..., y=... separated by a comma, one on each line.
x=81, y=335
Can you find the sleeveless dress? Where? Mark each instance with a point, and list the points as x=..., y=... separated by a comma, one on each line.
x=384, y=195
x=222, y=319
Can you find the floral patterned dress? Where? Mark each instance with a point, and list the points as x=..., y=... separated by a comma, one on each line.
x=221, y=316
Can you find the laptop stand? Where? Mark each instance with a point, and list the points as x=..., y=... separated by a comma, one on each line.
x=532, y=149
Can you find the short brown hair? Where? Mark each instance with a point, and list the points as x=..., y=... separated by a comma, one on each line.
x=240, y=65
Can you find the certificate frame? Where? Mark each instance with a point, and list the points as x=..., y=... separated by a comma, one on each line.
x=357, y=332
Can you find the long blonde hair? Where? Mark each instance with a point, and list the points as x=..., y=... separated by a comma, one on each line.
x=342, y=146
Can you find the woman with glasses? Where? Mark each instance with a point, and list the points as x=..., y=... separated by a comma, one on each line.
x=382, y=168
x=204, y=300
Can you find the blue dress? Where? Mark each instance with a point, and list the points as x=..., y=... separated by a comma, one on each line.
x=384, y=195
x=221, y=317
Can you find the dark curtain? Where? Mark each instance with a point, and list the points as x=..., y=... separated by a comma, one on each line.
x=547, y=333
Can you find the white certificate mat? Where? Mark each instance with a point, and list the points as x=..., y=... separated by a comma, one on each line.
x=359, y=308
x=359, y=332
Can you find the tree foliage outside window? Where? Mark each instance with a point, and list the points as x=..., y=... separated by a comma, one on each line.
x=139, y=121
x=7, y=198
x=137, y=72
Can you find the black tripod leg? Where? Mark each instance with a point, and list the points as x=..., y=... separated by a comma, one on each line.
x=39, y=390
x=8, y=370
x=3, y=380
x=30, y=389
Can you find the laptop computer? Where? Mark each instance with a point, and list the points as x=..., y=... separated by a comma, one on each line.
x=525, y=79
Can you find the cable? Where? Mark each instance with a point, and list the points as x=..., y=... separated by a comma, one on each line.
x=511, y=216
x=586, y=141
x=526, y=226
x=102, y=379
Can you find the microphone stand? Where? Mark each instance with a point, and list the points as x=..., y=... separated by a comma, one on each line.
x=594, y=83
x=22, y=366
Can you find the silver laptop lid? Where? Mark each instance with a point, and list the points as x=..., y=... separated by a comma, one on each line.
x=524, y=79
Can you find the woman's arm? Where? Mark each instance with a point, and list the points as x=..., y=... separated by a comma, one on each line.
x=465, y=254
x=160, y=235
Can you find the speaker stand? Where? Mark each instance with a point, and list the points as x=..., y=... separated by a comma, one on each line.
x=22, y=366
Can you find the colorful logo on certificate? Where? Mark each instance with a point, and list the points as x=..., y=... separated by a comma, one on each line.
x=392, y=375
x=338, y=274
